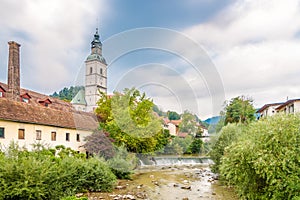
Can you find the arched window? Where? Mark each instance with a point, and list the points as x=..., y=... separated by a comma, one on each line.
x=91, y=70
x=101, y=71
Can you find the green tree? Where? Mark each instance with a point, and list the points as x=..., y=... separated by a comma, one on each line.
x=172, y=115
x=130, y=121
x=188, y=123
x=239, y=109
x=67, y=94
x=196, y=147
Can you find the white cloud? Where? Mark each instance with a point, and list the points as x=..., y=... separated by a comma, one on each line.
x=255, y=48
x=53, y=35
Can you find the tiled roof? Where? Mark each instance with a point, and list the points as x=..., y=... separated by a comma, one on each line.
x=175, y=122
x=36, y=97
x=28, y=113
x=286, y=103
x=268, y=105
x=58, y=113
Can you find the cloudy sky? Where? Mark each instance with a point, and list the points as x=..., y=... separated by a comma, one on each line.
x=196, y=54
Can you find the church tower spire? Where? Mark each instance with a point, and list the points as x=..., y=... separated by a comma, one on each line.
x=96, y=73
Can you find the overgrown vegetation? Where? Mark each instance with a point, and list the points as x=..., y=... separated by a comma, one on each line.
x=187, y=145
x=50, y=174
x=262, y=159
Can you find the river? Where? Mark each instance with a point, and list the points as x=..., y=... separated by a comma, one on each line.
x=170, y=182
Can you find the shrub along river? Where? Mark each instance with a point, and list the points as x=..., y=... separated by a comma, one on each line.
x=171, y=178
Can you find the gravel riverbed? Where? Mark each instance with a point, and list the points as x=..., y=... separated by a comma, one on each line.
x=169, y=183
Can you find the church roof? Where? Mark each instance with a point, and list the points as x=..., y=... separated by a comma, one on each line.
x=96, y=41
x=79, y=98
x=95, y=56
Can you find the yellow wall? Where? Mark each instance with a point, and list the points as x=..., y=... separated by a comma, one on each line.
x=11, y=134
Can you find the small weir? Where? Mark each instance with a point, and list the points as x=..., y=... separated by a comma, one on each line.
x=168, y=161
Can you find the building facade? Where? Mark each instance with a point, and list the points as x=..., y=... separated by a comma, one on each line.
x=291, y=106
x=28, y=117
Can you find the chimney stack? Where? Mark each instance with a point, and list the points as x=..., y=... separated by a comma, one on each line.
x=13, y=92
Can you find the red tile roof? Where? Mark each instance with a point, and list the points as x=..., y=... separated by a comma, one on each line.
x=59, y=113
x=28, y=113
x=36, y=97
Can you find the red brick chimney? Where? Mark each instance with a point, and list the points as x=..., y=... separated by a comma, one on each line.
x=13, y=81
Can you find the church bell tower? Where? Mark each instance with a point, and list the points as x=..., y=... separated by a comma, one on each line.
x=95, y=74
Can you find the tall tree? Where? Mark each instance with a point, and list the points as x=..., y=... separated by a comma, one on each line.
x=239, y=109
x=129, y=119
x=188, y=123
x=172, y=115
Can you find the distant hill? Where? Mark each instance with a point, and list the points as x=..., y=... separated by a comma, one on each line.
x=213, y=120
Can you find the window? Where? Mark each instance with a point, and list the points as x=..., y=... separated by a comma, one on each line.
x=78, y=137
x=53, y=136
x=101, y=71
x=1, y=94
x=26, y=100
x=38, y=134
x=67, y=136
x=21, y=134
x=291, y=108
x=91, y=70
x=1, y=132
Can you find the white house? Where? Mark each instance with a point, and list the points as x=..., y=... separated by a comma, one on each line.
x=290, y=107
x=268, y=109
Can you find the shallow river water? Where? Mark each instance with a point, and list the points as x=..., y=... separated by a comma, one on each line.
x=170, y=182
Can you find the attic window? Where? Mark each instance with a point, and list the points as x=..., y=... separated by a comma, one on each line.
x=2, y=92
x=45, y=102
x=25, y=98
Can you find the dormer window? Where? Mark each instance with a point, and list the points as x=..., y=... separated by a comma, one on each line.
x=45, y=102
x=25, y=98
x=2, y=92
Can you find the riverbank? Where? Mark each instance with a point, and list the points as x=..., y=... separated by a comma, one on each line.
x=170, y=182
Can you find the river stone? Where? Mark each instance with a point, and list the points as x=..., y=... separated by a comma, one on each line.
x=188, y=187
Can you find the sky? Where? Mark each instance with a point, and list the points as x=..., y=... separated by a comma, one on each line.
x=185, y=55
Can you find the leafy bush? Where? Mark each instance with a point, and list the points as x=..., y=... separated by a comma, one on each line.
x=42, y=175
x=123, y=163
x=265, y=162
x=226, y=137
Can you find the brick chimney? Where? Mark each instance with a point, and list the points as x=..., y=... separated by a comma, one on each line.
x=13, y=81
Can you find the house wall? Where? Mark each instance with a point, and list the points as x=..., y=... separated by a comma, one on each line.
x=297, y=106
x=172, y=129
x=205, y=132
x=11, y=134
x=269, y=111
